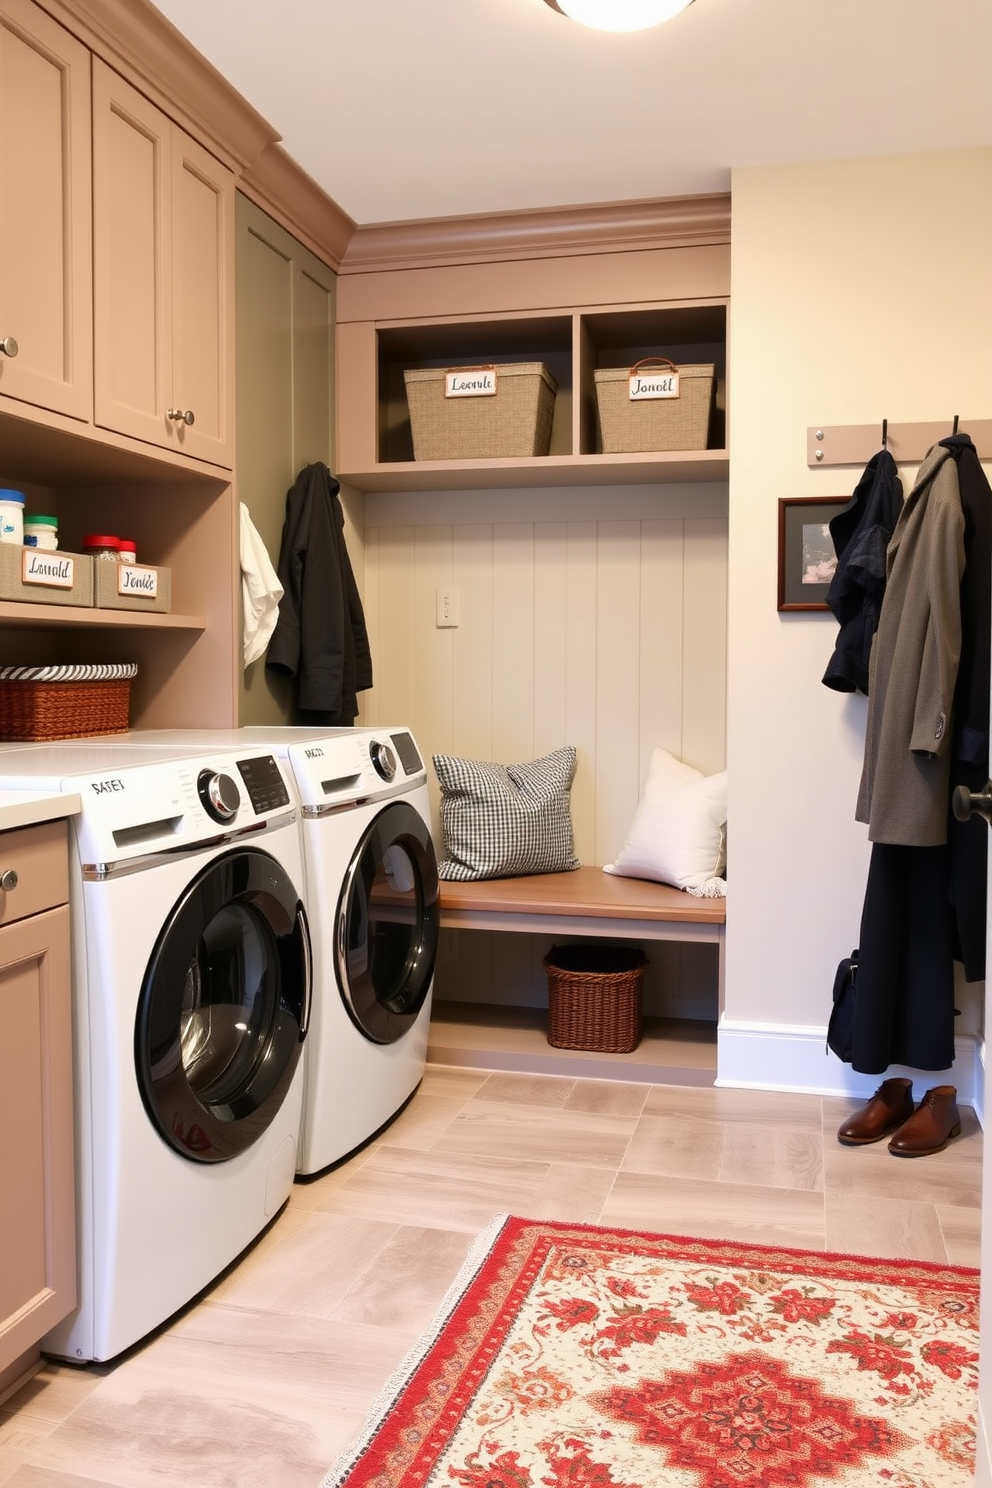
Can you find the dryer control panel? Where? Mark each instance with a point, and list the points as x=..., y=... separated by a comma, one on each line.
x=355, y=765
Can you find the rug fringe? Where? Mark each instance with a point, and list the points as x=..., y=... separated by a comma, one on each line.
x=387, y=1396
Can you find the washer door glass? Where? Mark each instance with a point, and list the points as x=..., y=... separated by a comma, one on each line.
x=387, y=924
x=223, y=1008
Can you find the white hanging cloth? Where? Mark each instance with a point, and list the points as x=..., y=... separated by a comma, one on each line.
x=261, y=590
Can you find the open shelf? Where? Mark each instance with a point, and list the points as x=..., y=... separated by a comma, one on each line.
x=40, y=616
x=552, y=470
x=376, y=444
x=479, y=1036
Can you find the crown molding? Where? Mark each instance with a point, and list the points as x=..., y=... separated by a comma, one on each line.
x=276, y=183
x=137, y=41
x=606, y=227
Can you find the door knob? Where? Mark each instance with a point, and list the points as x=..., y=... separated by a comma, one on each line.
x=8, y=346
x=8, y=880
x=965, y=803
x=182, y=415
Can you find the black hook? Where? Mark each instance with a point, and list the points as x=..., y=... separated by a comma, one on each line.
x=885, y=433
x=955, y=428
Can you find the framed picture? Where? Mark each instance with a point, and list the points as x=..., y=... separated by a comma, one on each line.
x=806, y=557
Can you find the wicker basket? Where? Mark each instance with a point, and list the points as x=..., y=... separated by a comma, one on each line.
x=513, y=422
x=64, y=702
x=631, y=425
x=594, y=997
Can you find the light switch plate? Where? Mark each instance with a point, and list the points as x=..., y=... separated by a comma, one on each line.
x=448, y=603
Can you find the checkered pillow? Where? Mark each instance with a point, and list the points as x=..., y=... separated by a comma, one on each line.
x=503, y=820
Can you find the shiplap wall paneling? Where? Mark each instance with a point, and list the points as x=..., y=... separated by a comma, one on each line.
x=704, y=698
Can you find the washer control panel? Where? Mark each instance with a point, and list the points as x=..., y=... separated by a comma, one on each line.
x=218, y=794
x=264, y=783
x=383, y=759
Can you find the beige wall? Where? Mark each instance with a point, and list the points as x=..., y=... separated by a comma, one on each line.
x=861, y=290
x=594, y=617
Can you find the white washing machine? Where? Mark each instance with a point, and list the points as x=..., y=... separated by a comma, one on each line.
x=191, y=997
x=371, y=891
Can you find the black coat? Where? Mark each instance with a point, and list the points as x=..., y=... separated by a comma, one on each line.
x=320, y=637
x=968, y=841
x=861, y=534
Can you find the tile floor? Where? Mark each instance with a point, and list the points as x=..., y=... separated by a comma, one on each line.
x=262, y=1382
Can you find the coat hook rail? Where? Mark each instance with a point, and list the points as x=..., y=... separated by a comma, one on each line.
x=854, y=444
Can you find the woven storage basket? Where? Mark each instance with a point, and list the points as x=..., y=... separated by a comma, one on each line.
x=64, y=702
x=631, y=426
x=594, y=997
x=513, y=422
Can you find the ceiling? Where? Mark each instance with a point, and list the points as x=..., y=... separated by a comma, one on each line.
x=403, y=109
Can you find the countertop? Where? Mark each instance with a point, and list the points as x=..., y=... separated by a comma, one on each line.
x=26, y=808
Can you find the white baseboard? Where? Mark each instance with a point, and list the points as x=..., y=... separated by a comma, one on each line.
x=768, y=1056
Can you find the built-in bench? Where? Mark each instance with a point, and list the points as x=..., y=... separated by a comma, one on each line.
x=584, y=902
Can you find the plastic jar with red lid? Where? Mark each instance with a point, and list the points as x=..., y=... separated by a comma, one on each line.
x=127, y=550
x=102, y=547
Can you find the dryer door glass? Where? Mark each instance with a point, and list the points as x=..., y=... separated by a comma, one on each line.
x=223, y=1007
x=387, y=924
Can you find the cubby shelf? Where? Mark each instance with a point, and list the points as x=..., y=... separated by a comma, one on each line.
x=375, y=441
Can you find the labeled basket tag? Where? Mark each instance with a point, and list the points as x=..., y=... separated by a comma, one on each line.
x=473, y=382
x=134, y=580
x=645, y=385
x=55, y=570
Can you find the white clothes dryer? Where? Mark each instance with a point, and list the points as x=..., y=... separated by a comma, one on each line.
x=191, y=998
x=371, y=891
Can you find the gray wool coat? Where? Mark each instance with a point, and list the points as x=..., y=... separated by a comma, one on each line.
x=905, y=783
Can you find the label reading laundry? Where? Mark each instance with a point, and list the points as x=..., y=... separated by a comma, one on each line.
x=134, y=580
x=477, y=382
x=653, y=385
x=44, y=568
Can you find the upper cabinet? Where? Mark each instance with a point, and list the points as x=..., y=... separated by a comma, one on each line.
x=163, y=248
x=45, y=232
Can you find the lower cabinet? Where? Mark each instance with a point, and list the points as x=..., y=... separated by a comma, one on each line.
x=37, y=1198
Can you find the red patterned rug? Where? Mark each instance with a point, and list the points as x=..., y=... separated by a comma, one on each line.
x=569, y=1356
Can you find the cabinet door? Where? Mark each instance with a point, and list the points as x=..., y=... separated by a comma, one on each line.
x=37, y=1201
x=45, y=253
x=132, y=269
x=202, y=301
x=285, y=357
x=163, y=245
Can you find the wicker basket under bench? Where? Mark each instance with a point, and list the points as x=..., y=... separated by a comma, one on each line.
x=586, y=901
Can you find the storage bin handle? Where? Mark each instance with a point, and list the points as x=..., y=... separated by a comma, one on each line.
x=648, y=361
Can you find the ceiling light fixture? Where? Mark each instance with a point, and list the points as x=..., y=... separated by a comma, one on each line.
x=619, y=15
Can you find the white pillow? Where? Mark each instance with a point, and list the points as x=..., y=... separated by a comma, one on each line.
x=665, y=772
x=678, y=833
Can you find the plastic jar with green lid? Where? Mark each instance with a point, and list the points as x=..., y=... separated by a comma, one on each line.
x=44, y=530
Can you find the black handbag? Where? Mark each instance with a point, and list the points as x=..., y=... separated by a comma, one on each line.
x=840, y=1029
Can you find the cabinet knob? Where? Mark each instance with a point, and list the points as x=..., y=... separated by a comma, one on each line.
x=182, y=415
x=8, y=880
x=8, y=346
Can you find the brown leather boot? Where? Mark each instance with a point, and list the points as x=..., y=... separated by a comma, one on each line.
x=889, y=1108
x=931, y=1126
